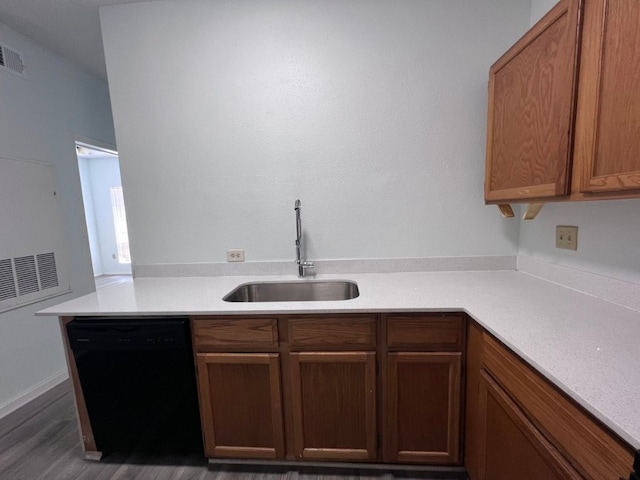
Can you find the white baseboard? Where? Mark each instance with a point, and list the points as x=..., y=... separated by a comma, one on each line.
x=35, y=392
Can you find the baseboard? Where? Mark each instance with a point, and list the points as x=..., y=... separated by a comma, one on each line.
x=17, y=411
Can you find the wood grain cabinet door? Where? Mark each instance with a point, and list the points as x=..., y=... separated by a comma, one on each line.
x=423, y=408
x=240, y=404
x=510, y=445
x=608, y=122
x=334, y=405
x=532, y=91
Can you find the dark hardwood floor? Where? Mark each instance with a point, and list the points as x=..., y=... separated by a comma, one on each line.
x=46, y=445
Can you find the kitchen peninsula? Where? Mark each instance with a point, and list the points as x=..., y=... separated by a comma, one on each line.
x=585, y=346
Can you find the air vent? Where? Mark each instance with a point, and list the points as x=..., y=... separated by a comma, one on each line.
x=7, y=282
x=47, y=270
x=12, y=61
x=26, y=273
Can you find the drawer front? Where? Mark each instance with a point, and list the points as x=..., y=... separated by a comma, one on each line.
x=235, y=333
x=348, y=332
x=594, y=450
x=425, y=332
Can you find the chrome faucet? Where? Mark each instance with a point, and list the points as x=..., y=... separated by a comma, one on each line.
x=302, y=263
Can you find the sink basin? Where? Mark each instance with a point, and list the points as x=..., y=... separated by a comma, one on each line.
x=302, y=291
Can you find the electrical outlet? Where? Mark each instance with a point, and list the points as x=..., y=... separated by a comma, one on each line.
x=235, y=255
x=566, y=237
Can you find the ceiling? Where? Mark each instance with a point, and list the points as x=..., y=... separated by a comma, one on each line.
x=70, y=28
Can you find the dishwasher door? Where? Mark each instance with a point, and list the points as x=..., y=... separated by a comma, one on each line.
x=138, y=380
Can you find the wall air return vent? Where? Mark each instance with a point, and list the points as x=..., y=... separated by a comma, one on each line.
x=47, y=272
x=7, y=282
x=12, y=61
x=26, y=274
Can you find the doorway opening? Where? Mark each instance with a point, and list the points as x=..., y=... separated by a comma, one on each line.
x=105, y=214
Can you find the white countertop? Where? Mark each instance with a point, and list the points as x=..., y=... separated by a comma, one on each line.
x=588, y=347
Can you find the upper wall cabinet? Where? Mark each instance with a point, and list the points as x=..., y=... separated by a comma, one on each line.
x=531, y=92
x=608, y=115
x=564, y=107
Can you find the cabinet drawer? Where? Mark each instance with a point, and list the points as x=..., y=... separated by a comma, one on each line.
x=354, y=333
x=577, y=436
x=430, y=332
x=235, y=334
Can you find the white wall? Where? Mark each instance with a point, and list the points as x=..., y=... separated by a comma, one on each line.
x=103, y=173
x=39, y=119
x=608, y=231
x=372, y=113
x=90, y=216
x=539, y=8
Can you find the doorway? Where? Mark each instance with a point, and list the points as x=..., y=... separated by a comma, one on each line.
x=105, y=213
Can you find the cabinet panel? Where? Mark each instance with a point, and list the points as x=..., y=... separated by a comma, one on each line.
x=240, y=405
x=531, y=110
x=511, y=446
x=347, y=332
x=235, y=333
x=609, y=108
x=334, y=405
x=423, y=407
x=411, y=332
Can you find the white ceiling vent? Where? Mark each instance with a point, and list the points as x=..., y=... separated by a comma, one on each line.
x=12, y=61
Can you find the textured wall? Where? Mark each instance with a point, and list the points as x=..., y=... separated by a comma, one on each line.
x=608, y=231
x=372, y=113
x=539, y=8
x=40, y=118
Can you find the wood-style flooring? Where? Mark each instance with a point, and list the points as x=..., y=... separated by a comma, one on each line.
x=46, y=445
x=106, y=280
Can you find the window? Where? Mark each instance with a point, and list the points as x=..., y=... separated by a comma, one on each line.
x=120, y=223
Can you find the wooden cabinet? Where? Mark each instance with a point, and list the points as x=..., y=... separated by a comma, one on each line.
x=239, y=386
x=423, y=407
x=333, y=387
x=512, y=447
x=520, y=426
x=240, y=404
x=531, y=114
x=608, y=121
x=564, y=107
x=334, y=405
x=351, y=387
x=422, y=390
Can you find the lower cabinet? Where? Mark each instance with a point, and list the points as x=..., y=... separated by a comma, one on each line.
x=518, y=425
x=512, y=447
x=423, y=407
x=334, y=405
x=342, y=388
x=240, y=404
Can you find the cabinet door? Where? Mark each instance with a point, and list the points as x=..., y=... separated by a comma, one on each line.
x=608, y=122
x=510, y=445
x=334, y=405
x=240, y=404
x=531, y=110
x=423, y=408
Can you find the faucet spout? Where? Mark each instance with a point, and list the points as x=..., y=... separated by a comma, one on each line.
x=302, y=263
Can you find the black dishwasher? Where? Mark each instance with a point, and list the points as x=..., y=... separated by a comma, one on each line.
x=138, y=380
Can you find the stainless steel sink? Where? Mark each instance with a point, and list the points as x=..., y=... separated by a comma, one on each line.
x=302, y=291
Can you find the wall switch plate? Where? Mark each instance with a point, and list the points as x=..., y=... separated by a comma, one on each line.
x=235, y=255
x=566, y=237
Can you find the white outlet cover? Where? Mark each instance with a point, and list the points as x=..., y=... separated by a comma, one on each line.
x=235, y=255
